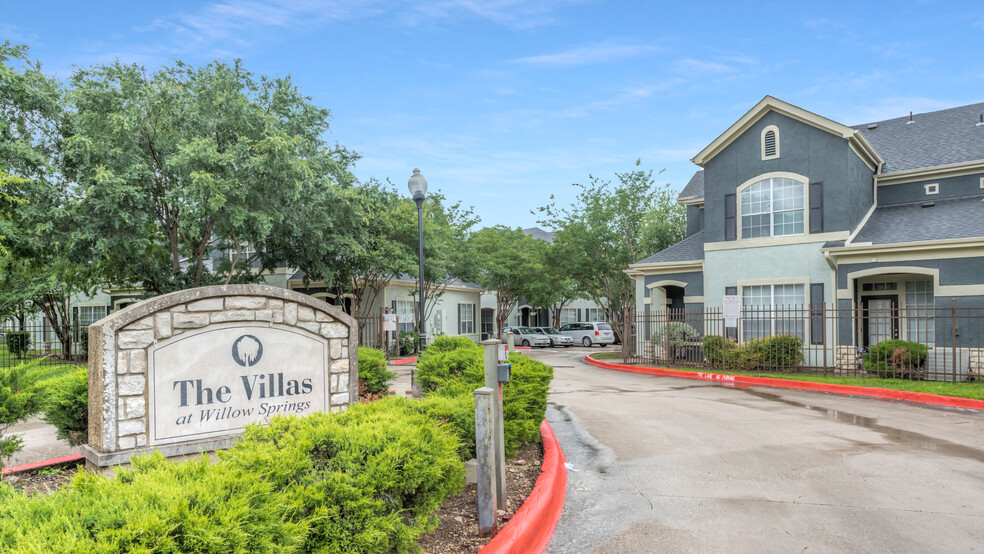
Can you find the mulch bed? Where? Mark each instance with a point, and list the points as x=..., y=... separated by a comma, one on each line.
x=458, y=531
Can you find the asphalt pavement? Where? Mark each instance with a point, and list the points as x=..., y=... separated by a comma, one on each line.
x=662, y=464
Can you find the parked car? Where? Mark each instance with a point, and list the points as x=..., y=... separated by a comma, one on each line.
x=555, y=336
x=590, y=332
x=524, y=336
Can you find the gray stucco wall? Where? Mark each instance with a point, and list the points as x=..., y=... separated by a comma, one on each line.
x=804, y=150
x=953, y=271
x=694, y=280
x=952, y=187
x=695, y=220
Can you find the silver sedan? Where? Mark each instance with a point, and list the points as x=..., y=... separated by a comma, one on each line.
x=556, y=339
x=524, y=336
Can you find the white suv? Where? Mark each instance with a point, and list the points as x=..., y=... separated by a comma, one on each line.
x=588, y=333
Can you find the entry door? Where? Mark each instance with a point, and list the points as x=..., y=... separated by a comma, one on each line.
x=880, y=319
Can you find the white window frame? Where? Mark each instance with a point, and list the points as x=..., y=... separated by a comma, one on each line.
x=466, y=323
x=595, y=314
x=800, y=311
x=405, y=326
x=765, y=131
x=799, y=179
x=932, y=188
x=567, y=315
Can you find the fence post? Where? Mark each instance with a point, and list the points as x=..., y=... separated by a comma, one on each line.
x=491, y=348
x=485, y=461
x=953, y=333
x=382, y=334
x=626, y=323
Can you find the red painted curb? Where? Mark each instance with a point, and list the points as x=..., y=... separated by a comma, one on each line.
x=530, y=530
x=404, y=361
x=920, y=397
x=523, y=347
x=36, y=465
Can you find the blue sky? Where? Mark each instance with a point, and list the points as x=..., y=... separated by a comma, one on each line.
x=502, y=103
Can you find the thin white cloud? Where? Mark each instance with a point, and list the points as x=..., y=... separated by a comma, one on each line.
x=591, y=54
x=697, y=68
x=520, y=14
x=891, y=108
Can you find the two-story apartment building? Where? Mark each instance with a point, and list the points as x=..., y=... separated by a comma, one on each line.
x=883, y=220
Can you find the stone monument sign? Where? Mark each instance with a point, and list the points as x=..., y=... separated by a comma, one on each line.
x=186, y=372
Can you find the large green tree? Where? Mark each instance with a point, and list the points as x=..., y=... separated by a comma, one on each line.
x=508, y=261
x=36, y=273
x=609, y=226
x=175, y=165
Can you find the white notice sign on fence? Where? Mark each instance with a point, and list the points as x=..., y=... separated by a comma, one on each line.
x=732, y=310
x=389, y=322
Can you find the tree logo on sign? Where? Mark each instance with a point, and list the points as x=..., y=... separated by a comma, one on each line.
x=247, y=350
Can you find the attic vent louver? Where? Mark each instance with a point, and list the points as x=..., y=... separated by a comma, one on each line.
x=770, y=143
x=872, y=126
x=910, y=119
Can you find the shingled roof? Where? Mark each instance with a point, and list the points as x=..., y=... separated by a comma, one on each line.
x=948, y=218
x=694, y=189
x=931, y=139
x=690, y=249
x=538, y=233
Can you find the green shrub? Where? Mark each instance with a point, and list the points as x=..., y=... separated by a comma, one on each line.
x=676, y=335
x=895, y=359
x=18, y=343
x=68, y=406
x=437, y=368
x=364, y=480
x=445, y=343
x=21, y=396
x=374, y=378
x=781, y=352
x=408, y=342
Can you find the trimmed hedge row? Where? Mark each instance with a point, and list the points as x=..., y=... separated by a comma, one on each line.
x=781, y=352
x=364, y=480
x=453, y=367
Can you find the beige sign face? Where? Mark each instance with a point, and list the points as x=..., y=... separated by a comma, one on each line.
x=217, y=381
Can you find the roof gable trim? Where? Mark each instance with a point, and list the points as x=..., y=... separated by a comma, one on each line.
x=770, y=103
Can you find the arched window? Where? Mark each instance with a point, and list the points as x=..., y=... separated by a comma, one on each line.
x=772, y=208
x=770, y=142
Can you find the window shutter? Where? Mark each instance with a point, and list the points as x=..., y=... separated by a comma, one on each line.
x=731, y=332
x=460, y=309
x=579, y=314
x=816, y=207
x=816, y=313
x=730, y=217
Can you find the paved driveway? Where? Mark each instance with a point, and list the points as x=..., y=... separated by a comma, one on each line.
x=673, y=465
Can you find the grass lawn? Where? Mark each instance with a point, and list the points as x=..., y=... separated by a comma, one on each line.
x=959, y=390
x=9, y=360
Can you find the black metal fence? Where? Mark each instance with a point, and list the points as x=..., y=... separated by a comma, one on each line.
x=938, y=343
x=33, y=340
x=380, y=330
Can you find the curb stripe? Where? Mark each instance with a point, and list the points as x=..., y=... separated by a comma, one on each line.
x=532, y=527
x=909, y=396
x=36, y=465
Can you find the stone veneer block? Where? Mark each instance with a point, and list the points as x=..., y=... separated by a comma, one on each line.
x=335, y=349
x=190, y=321
x=131, y=385
x=234, y=315
x=245, y=303
x=132, y=427
x=305, y=314
x=275, y=304
x=340, y=382
x=207, y=305
x=310, y=326
x=134, y=339
x=141, y=325
x=278, y=315
x=339, y=399
x=333, y=330
x=323, y=317
x=121, y=362
x=264, y=315
x=340, y=366
x=290, y=313
x=181, y=308
x=128, y=442
x=136, y=406
x=138, y=361
x=163, y=325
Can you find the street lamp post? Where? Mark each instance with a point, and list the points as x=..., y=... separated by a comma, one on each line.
x=418, y=188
